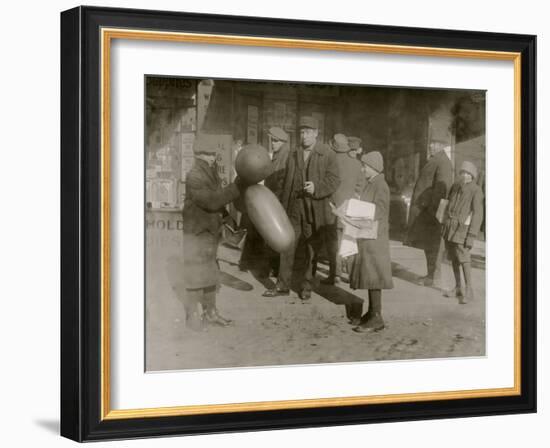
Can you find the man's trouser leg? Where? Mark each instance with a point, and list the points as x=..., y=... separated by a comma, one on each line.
x=434, y=255
x=331, y=244
x=190, y=302
x=286, y=263
x=313, y=245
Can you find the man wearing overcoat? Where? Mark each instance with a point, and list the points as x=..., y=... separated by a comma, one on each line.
x=310, y=179
x=424, y=230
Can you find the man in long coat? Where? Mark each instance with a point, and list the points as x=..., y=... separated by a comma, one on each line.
x=203, y=209
x=424, y=230
x=310, y=180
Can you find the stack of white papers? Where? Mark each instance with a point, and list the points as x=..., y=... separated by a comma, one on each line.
x=354, y=208
x=359, y=223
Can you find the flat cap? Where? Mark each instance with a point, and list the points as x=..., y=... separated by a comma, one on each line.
x=340, y=143
x=309, y=122
x=278, y=133
x=201, y=146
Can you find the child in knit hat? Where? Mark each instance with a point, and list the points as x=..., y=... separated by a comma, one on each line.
x=462, y=222
x=371, y=268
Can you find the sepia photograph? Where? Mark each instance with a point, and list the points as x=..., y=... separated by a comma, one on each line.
x=291, y=223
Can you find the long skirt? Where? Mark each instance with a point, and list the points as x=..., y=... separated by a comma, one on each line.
x=371, y=267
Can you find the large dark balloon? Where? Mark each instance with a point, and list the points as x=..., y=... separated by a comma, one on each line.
x=253, y=164
x=269, y=217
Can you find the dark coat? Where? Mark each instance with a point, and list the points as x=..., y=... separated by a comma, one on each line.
x=323, y=172
x=275, y=180
x=432, y=185
x=371, y=267
x=202, y=221
x=205, y=199
x=465, y=201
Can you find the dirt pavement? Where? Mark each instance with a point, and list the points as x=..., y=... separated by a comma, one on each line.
x=420, y=321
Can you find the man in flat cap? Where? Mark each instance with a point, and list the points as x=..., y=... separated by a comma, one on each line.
x=278, y=150
x=203, y=209
x=310, y=180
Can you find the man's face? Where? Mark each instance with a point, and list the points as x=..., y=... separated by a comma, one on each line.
x=208, y=158
x=276, y=144
x=308, y=136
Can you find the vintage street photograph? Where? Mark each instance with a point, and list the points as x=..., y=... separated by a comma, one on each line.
x=296, y=223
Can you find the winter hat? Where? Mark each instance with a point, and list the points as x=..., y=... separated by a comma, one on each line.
x=340, y=143
x=470, y=168
x=374, y=160
x=278, y=133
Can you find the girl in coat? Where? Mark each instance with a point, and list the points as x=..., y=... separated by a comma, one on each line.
x=461, y=226
x=371, y=267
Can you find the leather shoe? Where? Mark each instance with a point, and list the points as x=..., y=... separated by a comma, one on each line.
x=468, y=297
x=305, y=294
x=372, y=324
x=212, y=317
x=455, y=292
x=275, y=292
x=426, y=281
x=194, y=322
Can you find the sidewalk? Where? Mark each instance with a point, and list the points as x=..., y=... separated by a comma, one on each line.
x=420, y=321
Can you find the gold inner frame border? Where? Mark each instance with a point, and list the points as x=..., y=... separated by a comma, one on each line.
x=107, y=35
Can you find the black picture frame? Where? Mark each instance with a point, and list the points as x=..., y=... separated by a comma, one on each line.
x=81, y=225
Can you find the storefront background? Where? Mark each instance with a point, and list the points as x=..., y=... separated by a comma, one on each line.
x=402, y=123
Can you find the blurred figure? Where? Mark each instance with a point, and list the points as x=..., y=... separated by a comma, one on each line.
x=310, y=180
x=461, y=226
x=202, y=223
x=424, y=230
x=256, y=255
x=278, y=150
x=355, y=147
x=372, y=265
x=351, y=185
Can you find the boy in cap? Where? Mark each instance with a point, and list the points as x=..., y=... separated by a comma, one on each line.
x=463, y=219
x=203, y=209
x=278, y=150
